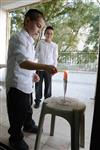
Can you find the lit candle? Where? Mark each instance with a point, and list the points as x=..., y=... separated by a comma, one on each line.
x=65, y=82
x=65, y=75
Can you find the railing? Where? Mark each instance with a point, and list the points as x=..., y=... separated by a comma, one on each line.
x=79, y=61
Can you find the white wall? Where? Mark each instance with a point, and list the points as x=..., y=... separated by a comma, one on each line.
x=3, y=36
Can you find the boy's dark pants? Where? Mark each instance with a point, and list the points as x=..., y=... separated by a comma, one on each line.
x=19, y=112
x=39, y=86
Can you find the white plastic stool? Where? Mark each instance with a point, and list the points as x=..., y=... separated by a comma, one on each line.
x=72, y=110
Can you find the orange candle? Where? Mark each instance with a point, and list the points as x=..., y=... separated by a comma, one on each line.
x=65, y=75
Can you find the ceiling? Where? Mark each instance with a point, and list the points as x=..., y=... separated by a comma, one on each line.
x=13, y=4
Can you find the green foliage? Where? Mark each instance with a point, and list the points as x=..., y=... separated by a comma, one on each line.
x=68, y=20
x=93, y=38
x=17, y=18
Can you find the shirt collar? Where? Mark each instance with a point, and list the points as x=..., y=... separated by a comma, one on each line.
x=28, y=36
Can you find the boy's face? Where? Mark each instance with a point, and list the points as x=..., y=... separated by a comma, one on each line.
x=49, y=34
x=34, y=27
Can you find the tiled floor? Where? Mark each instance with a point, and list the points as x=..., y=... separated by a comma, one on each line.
x=61, y=138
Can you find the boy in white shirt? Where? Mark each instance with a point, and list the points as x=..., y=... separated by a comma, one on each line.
x=46, y=53
x=19, y=78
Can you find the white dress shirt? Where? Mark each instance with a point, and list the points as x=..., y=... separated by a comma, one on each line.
x=20, y=49
x=47, y=53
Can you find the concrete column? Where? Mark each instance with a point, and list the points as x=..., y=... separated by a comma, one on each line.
x=3, y=36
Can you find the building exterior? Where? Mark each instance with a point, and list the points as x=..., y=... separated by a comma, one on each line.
x=5, y=7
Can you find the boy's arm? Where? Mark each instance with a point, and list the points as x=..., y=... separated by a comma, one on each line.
x=36, y=66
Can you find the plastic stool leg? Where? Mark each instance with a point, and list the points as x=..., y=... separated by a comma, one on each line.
x=40, y=128
x=82, y=131
x=75, y=131
x=52, y=125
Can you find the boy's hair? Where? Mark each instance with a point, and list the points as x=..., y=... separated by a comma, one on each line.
x=33, y=14
x=47, y=28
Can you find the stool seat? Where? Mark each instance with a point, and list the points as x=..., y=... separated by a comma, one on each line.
x=65, y=104
x=70, y=109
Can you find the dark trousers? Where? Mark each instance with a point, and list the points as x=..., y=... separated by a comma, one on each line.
x=19, y=112
x=47, y=78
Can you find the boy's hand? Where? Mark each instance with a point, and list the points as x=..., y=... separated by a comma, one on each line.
x=36, y=78
x=51, y=69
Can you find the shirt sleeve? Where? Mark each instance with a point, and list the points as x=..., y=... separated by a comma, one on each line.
x=55, y=55
x=19, y=47
x=37, y=49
